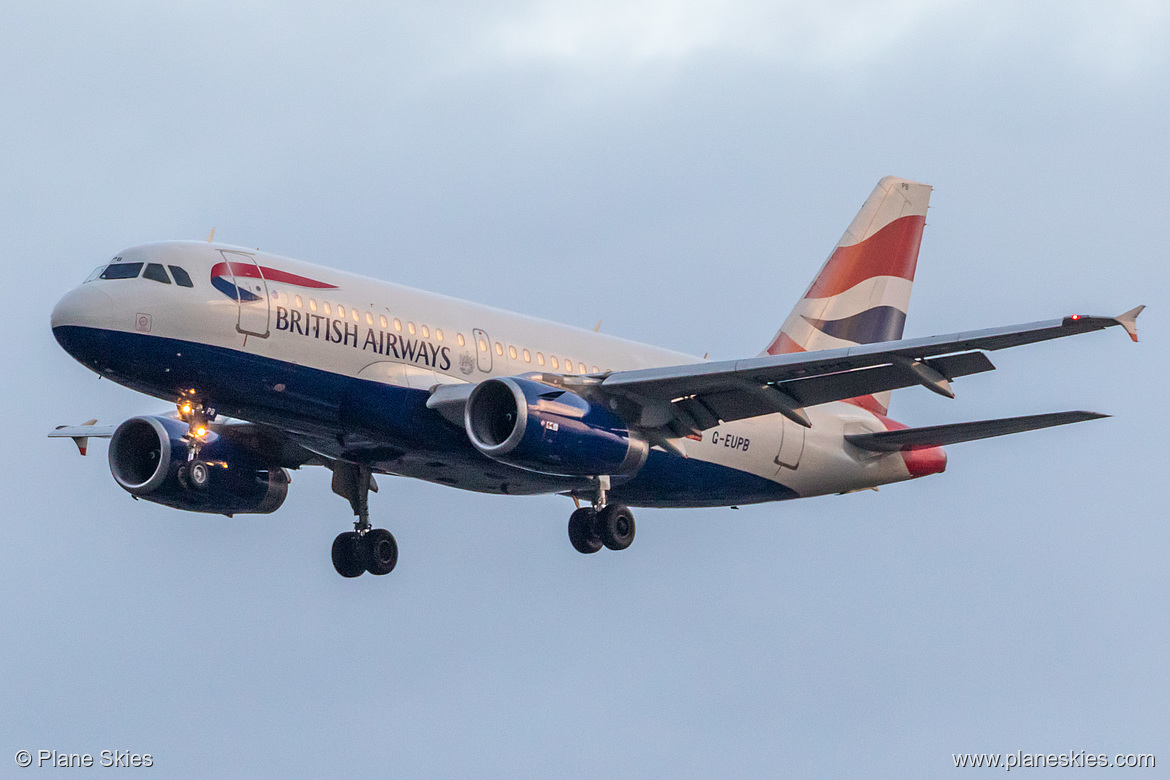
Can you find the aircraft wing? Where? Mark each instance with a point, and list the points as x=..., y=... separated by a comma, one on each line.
x=676, y=401
x=81, y=434
x=271, y=443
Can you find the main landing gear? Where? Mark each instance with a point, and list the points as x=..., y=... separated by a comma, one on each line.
x=364, y=549
x=603, y=524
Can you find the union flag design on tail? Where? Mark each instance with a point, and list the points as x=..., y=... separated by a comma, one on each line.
x=862, y=293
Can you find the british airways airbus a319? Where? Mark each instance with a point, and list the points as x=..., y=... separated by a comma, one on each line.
x=274, y=364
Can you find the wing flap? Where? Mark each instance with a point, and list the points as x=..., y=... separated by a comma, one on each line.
x=876, y=379
x=739, y=402
x=954, y=433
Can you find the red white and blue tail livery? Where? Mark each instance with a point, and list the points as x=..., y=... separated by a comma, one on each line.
x=862, y=293
x=274, y=364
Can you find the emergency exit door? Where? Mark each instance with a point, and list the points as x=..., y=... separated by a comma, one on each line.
x=483, y=350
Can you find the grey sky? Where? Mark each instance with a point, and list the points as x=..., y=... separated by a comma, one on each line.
x=679, y=171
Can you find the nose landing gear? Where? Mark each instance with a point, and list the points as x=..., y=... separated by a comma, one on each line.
x=364, y=549
x=196, y=473
x=603, y=524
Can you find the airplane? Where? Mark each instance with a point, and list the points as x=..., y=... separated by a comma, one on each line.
x=274, y=364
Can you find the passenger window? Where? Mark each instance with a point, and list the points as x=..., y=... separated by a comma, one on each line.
x=340, y=310
x=596, y=370
x=410, y=328
x=369, y=318
x=397, y=324
x=426, y=332
x=122, y=271
x=512, y=352
x=540, y=358
x=553, y=359
x=312, y=304
x=298, y=301
x=439, y=333
x=499, y=349
x=462, y=341
x=568, y=364
x=353, y=315
x=382, y=321
x=527, y=356
x=581, y=368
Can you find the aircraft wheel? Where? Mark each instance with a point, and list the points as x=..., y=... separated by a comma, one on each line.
x=198, y=474
x=615, y=526
x=349, y=554
x=581, y=531
x=381, y=551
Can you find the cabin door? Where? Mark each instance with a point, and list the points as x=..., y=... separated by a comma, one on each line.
x=251, y=293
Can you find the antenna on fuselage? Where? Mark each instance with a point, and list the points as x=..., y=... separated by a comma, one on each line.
x=211, y=236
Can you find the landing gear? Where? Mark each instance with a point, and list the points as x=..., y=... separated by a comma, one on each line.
x=364, y=548
x=615, y=526
x=354, y=554
x=381, y=551
x=349, y=555
x=582, y=531
x=198, y=474
x=611, y=525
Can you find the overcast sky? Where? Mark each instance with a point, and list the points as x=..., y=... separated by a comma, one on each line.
x=678, y=170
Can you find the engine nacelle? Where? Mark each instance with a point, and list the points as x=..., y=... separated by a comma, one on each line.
x=147, y=453
x=541, y=428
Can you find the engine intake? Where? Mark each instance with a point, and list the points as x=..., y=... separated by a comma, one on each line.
x=546, y=429
x=148, y=453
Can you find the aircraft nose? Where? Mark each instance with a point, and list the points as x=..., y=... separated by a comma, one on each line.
x=80, y=320
x=85, y=306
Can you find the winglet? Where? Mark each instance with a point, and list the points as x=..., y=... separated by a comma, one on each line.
x=82, y=442
x=81, y=434
x=1129, y=321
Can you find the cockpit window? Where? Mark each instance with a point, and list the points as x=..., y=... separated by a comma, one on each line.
x=182, y=278
x=156, y=273
x=96, y=273
x=121, y=271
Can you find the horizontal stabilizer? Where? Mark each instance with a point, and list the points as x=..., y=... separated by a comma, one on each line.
x=942, y=435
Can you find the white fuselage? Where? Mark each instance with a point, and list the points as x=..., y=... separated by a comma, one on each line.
x=301, y=315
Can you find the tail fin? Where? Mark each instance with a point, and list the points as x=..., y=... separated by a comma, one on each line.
x=862, y=292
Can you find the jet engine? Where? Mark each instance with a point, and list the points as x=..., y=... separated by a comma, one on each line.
x=550, y=430
x=148, y=458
